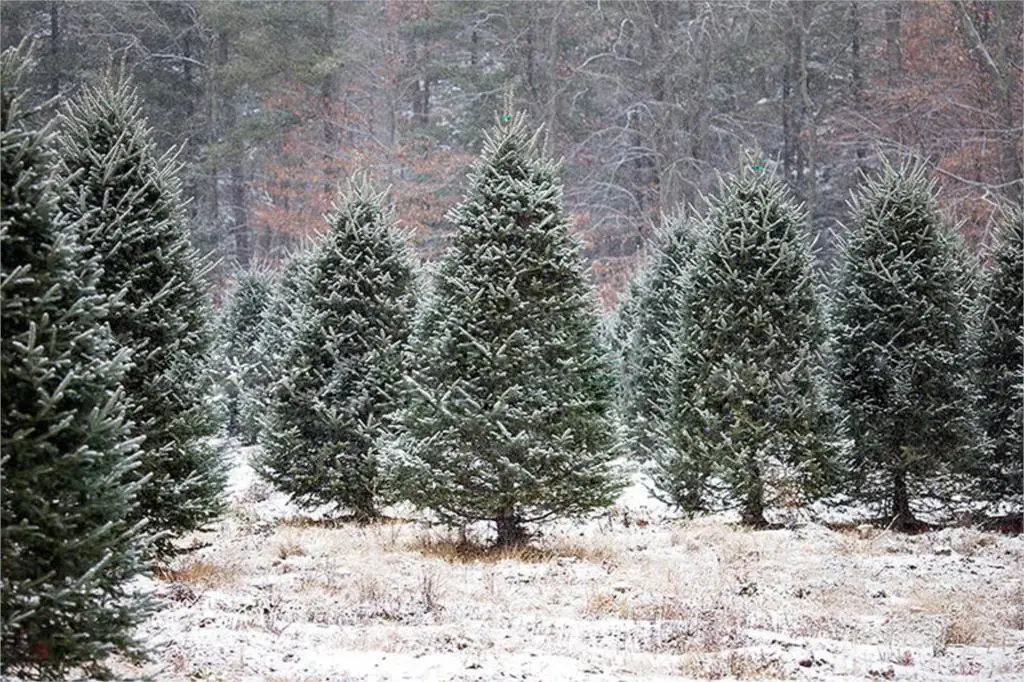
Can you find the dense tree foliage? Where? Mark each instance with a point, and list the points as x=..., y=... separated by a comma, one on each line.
x=240, y=366
x=342, y=374
x=278, y=101
x=68, y=539
x=657, y=311
x=127, y=204
x=749, y=424
x=1001, y=371
x=510, y=416
x=902, y=327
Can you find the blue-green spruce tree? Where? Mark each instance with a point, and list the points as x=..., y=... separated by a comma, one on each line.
x=126, y=199
x=68, y=546
x=749, y=423
x=240, y=364
x=341, y=377
x=649, y=346
x=510, y=417
x=902, y=346
x=1001, y=369
x=277, y=328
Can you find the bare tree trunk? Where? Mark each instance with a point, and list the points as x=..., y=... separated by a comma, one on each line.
x=893, y=43
x=510, y=529
x=856, y=72
x=1002, y=77
x=239, y=222
x=903, y=517
x=55, y=65
x=753, y=505
x=328, y=96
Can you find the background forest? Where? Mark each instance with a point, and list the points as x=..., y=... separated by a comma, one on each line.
x=273, y=103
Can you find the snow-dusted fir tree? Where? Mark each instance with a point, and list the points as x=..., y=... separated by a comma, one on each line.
x=343, y=371
x=240, y=364
x=616, y=332
x=511, y=404
x=749, y=424
x=67, y=546
x=127, y=201
x=277, y=328
x=1001, y=369
x=901, y=324
x=647, y=355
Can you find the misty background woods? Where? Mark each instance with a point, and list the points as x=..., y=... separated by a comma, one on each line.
x=274, y=103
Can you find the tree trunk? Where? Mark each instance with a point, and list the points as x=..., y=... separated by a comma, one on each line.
x=510, y=529
x=1002, y=75
x=240, y=214
x=228, y=120
x=893, y=44
x=856, y=73
x=55, y=65
x=328, y=95
x=753, y=505
x=903, y=517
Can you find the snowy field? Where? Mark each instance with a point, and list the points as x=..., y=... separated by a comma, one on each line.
x=632, y=595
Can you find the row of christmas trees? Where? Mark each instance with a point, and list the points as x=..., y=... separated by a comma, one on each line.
x=106, y=410
x=481, y=390
x=744, y=382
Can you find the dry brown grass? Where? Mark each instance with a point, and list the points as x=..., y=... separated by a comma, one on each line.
x=299, y=521
x=201, y=573
x=290, y=548
x=960, y=631
x=740, y=665
x=460, y=551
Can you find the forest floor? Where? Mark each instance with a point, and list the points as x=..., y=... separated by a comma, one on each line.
x=632, y=595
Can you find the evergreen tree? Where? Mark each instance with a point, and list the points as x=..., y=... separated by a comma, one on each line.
x=67, y=547
x=1002, y=361
x=647, y=359
x=510, y=416
x=749, y=422
x=902, y=354
x=239, y=360
x=616, y=334
x=277, y=328
x=344, y=368
x=127, y=201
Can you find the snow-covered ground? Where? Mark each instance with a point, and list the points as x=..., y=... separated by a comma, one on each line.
x=633, y=595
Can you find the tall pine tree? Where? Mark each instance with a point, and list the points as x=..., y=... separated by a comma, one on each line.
x=749, y=424
x=1002, y=362
x=902, y=313
x=127, y=202
x=343, y=371
x=510, y=417
x=67, y=546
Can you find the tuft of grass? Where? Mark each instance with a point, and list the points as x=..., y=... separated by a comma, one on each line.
x=300, y=521
x=290, y=548
x=199, y=572
x=740, y=665
x=960, y=631
x=462, y=551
